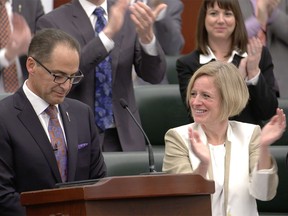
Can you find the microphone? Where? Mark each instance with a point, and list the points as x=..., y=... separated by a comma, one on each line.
x=150, y=150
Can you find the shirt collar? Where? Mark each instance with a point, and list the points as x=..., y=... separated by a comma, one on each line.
x=90, y=7
x=204, y=59
x=38, y=104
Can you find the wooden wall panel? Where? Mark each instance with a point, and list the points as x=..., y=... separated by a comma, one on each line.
x=189, y=21
x=57, y=3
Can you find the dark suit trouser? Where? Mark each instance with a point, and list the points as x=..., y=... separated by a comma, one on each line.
x=109, y=140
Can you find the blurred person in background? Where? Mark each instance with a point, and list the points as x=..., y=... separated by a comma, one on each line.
x=18, y=24
x=268, y=19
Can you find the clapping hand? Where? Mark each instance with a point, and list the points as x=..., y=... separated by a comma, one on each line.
x=198, y=147
x=249, y=66
x=274, y=129
x=144, y=17
x=20, y=38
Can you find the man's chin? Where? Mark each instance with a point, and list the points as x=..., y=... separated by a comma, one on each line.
x=58, y=100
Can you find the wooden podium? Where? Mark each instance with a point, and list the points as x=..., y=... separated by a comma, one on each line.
x=167, y=194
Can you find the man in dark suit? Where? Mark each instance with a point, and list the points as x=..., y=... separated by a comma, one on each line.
x=24, y=24
x=130, y=41
x=29, y=153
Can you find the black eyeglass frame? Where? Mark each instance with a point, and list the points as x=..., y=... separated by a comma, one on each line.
x=72, y=79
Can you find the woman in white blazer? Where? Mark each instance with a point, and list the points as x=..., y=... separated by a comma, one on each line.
x=234, y=154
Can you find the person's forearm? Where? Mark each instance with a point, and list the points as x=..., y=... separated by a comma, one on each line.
x=264, y=158
x=202, y=170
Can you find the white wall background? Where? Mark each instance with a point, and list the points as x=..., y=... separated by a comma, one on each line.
x=48, y=5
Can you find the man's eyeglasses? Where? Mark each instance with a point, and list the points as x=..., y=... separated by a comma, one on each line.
x=60, y=79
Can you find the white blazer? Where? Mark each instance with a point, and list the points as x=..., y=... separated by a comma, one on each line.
x=243, y=184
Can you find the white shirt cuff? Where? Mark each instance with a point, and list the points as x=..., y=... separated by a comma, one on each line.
x=3, y=61
x=150, y=48
x=107, y=42
x=254, y=80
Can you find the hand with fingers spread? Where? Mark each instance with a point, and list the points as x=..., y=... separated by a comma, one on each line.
x=144, y=17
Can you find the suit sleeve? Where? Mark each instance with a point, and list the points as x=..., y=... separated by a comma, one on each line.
x=169, y=30
x=97, y=167
x=263, y=184
x=176, y=158
x=150, y=68
x=9, y=198
x=279, y=26
x=186, y=66
x=263, y=95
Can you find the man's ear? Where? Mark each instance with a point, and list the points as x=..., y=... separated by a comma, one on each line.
x=30, y=65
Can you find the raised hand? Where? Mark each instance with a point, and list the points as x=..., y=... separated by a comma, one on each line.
x=198, y=147
x=144, y=17
x=274, y=129
x=20, y=38
x=116, y=18
x=254, y=49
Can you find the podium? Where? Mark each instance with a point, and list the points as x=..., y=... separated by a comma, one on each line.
x=168, y=194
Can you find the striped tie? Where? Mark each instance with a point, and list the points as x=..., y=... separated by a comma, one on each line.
x=10, y=73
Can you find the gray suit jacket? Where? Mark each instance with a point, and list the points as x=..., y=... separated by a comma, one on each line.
x=127, y=52
x=27, y=160
x=169, y=30
x=31, y=10
x=277, y=41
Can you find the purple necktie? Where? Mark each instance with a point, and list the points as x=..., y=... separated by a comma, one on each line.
x=57, y=141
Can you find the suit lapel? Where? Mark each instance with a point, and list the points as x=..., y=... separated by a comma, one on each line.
x=70, y=127
x=82, y=22
x=31, y=121
x=118, y=42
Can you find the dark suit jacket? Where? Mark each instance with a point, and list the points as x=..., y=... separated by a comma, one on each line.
x=263, y=101
x=31, y=10
x=127, y=51
x=27, y=160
